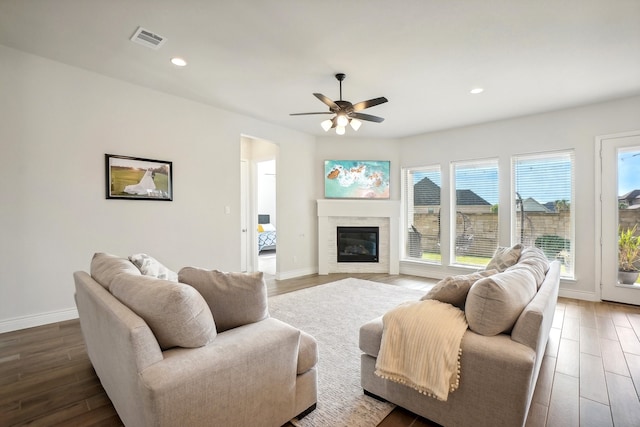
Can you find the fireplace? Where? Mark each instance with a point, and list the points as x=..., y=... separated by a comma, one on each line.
x=357, y=244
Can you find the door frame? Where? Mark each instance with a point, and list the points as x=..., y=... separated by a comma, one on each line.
x=600, y=142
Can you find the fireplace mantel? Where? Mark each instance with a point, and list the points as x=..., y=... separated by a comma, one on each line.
x=384, y=213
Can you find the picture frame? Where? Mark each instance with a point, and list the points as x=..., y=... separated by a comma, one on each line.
x=137, y=178
x=356, y=179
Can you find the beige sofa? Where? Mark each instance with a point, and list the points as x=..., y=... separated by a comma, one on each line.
x=170, y=362
x=498, y=371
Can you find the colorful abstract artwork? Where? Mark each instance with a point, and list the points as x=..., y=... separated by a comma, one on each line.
x=356, y=179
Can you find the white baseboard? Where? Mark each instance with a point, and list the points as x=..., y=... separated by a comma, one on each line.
x=283, y=275
x=581, y=295
x=40, y=319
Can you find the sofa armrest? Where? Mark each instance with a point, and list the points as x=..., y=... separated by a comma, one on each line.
x=533, y=326
x=371, y=336
x=246, y=374
x=119, y=344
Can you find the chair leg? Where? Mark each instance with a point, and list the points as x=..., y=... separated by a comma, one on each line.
x=375, y=396
x=306, y=412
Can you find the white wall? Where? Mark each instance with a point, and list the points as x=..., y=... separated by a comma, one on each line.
x=574, y=128
x=57, y=122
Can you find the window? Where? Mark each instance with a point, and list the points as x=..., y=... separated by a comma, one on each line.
x=543, y=208
x=422, y=204
x=475, y=210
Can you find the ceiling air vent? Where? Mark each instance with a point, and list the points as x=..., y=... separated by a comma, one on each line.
x=147, y=38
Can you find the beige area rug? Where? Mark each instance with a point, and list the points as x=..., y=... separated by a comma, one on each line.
x=333, y=314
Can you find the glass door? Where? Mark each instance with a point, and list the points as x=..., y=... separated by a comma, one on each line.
x=620, y=195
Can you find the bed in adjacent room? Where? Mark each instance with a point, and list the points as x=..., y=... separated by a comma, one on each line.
x=266, y=233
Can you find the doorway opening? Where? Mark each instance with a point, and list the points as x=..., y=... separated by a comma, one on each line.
x=258, y=203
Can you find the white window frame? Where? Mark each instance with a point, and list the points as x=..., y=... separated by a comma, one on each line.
x=515, y=235
x=493, y=161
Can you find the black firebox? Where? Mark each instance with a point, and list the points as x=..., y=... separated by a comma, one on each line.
x=358, y=244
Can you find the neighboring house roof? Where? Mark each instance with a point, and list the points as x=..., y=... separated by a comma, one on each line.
x=551, y=206
x=532, y=205
x=469, y=198
x=427, y=193
x=630, y=197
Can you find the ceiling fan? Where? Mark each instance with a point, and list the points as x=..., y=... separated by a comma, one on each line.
x=346, y=113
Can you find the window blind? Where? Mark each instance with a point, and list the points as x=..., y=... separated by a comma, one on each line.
x=422, y=206
x=543, y=206
x=475, y=210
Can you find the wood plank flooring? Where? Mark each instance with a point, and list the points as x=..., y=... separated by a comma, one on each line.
x=590, y=375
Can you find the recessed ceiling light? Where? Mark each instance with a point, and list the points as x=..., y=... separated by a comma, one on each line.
x=476, y=90
x=179, y=62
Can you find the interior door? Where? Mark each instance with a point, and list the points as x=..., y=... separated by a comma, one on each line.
x=620, y=209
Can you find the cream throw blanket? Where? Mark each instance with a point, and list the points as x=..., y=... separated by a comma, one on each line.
x=421, y=347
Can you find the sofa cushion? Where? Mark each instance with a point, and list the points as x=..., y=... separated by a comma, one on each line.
x=505, y=257
x=533, y=259
x=104, y=267
x=495, y=303
x=176, y=313
x=149, y=266
x=235, y=299
x=454, y=289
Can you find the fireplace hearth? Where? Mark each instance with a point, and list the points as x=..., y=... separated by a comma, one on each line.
x=358, y=244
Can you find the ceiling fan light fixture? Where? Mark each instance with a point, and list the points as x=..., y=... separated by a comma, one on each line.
x=342, y=120
x=344, y=112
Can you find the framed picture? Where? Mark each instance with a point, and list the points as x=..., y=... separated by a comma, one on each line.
x=137, y=178
x=356, y=179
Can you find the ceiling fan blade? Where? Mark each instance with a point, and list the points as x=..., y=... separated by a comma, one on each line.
x=369, y=103
x=367, y=117
x=306, y=114
x=329, y=102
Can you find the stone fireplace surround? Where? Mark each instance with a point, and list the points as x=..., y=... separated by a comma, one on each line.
x=384, y=214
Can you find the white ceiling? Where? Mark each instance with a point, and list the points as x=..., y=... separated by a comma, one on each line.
x=265, y=58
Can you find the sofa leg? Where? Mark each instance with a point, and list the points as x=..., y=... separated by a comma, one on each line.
x=306, y=412
x=375, y=396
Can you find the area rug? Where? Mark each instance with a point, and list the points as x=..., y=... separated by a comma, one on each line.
x=333, y=314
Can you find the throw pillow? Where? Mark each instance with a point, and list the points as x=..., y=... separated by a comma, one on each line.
x=533, y=259
x=495, y=303
x=176, y=313
x=504, y=257
x=235, y=299
x=149, y=266
x=104, y=268
x=454, y=289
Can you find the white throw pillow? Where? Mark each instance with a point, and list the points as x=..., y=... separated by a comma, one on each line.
x=149, y=266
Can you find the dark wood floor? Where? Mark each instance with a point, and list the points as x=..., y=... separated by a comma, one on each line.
x=590, y=375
